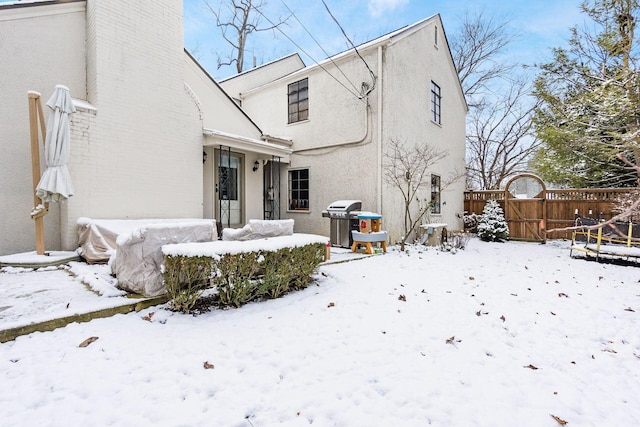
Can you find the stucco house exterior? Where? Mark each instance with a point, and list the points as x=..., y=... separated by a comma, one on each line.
x=342, y=113
x=147, y=117
x=155, y=136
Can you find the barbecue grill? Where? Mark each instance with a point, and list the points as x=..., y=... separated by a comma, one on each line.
x=344, y=218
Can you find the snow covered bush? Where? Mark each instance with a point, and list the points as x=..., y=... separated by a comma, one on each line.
x=492, y=227
x=185, y=280
x=455, y=240
x=471, y=222
x=242, y=277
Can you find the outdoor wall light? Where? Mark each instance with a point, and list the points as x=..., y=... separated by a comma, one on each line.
x=256, y=165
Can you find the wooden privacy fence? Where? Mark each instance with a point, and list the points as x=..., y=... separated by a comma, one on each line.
x=557, y=208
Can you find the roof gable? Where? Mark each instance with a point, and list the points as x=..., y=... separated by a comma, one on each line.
x=232, y=103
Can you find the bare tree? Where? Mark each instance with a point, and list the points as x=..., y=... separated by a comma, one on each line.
x=499, y=138
x=408, y=169
x=237, y=20
x=499, y=124
x=477, y=51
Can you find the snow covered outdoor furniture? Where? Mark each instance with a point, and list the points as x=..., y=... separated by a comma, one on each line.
x=369, y=232
x=97, y=237
x=617, y=240
x=241, y=271
x=137, y=262
x=259, y=229
x=434, y=230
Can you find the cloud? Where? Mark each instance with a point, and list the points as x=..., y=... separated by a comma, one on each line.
x=379, y=7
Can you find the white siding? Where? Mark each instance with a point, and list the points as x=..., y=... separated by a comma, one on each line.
x=406, y=63
x=40, y=47
x=146, y=137
x=263, y=74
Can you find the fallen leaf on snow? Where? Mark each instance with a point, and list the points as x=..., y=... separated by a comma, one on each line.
x=559, y=420
x=472, y=278
x=530, y=366
x=503, y=318
x=562, y=294
x=88, y=341
x=452, y=340
x=402, y=298
x=629, y=309
x=148, y=316
x=208, y=365
x=331, y=304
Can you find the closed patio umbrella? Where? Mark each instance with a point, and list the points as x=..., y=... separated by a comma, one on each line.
x=55, y=184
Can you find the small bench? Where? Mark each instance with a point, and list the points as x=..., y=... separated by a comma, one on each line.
x=434, y=230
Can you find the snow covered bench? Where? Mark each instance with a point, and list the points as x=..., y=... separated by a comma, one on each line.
x=618, y=239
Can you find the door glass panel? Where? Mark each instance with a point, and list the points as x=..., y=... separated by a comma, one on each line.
x=229, y=188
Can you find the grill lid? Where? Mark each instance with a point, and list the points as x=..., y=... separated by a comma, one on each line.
x=341, y=208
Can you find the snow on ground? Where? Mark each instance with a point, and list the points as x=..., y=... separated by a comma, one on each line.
x=57, y=292
x=508, y=334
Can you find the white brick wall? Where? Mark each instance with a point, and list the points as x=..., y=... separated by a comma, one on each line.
x=40, y=47
x=143, y=156
x=139, y=153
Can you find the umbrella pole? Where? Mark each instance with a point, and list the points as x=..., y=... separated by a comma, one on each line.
x=35, y=109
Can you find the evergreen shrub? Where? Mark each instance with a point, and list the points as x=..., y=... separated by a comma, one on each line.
x=240, y=278
x=492, y=227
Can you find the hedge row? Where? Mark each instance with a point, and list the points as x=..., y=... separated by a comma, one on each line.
x=240, y=278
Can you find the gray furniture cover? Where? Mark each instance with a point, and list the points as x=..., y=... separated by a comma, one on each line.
x=138, y=258
x=259, y=229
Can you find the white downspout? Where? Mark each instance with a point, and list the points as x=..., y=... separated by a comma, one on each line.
x=379, y=132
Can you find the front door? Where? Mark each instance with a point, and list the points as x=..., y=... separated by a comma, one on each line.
x=229, y=187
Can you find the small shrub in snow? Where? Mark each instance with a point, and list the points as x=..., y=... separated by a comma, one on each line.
x=185, y=280
x=234, y=278
x=471, y=222
x=455, y=240
x=492, y=227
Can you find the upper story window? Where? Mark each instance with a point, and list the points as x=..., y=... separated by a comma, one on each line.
x=299, y=190
x=435, y=36
x=298, y=101
x=436, y=99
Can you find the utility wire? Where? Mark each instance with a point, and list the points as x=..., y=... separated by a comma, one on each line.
x=319, y=45
x=373, y=76
x=305, y=52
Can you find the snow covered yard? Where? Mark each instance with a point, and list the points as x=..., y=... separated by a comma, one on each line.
x=500, y=334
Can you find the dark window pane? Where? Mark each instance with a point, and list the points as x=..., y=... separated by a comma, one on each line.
x=298, y=100
x=299, y=189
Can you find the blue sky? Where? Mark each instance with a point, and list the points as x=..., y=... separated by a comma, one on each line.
x=541, y=24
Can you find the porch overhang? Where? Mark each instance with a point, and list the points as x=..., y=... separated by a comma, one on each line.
x=241, y=143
